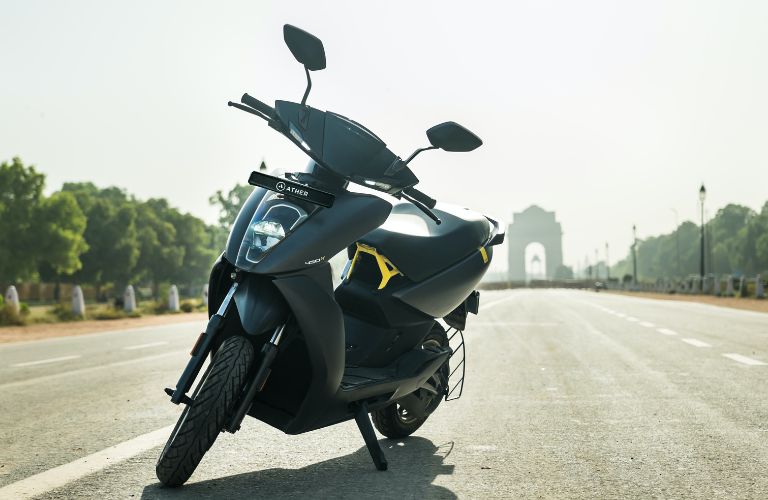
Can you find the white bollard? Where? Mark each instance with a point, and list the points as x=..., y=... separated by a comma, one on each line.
x=78, y=301
x=716, y=286
x=12, y=298
x=205, y=295
x=759, y=288
x=173, y=299
x=695, y=285
x=729, y=286
x=129, y=299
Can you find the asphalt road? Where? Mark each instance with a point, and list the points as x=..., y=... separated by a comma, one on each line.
x=568, y=395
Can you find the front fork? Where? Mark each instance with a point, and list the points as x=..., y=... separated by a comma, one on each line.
x=200, y=350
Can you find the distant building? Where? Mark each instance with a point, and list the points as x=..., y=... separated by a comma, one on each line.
x=534, y=228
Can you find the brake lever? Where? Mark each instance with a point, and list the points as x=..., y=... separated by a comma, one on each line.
x=432, y=215
x=275, y=124
x=252, y=111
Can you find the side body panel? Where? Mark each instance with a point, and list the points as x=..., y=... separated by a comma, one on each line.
x=443, y=292
x=321, y=323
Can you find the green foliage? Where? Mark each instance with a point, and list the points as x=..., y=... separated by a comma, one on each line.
x=104, y=236
x=36, y=230
x=9, y=316
x=113, y=246
x=736, y=242
x=63, y=312
x=111, y=313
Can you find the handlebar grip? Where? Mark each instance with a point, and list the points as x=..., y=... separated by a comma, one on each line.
x=258, y=105
x=419, y=196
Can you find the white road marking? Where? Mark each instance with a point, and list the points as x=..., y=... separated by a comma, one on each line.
x=696, y=343
x=647, y=324
x=632, y=319
x=621, y=315
x=511, y=323
x=666, y=331
x=144, y=346
x=57, y=376
x=744, y=359
x=59, y=476
x=46, y=361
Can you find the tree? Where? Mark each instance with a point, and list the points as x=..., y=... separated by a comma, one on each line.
x=36, y=231
x=111, y=234
x=192, y=235
x=160, y=256
x=62, y=223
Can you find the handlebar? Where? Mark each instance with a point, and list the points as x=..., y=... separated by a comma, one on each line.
x=256, y=104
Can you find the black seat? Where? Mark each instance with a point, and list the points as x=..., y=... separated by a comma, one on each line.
x=420, y=248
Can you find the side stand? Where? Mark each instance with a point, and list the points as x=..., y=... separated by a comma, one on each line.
x=366, y=429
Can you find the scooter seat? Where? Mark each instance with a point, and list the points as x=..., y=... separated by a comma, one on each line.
x=419, y=247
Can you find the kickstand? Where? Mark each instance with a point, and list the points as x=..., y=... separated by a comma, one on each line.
x=366, y=429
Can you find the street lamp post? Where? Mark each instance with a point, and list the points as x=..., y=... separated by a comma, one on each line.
x=702, y=197
x=634, y=255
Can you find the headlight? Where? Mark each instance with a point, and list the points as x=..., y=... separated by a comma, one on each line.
x=274, y=219
x=264, y=235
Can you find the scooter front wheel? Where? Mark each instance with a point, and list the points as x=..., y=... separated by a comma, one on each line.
x=201, y=422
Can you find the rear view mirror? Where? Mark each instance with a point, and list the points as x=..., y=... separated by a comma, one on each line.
x=305, y=47
x=450, y=136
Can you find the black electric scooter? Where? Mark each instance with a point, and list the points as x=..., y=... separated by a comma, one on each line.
x=288, y=349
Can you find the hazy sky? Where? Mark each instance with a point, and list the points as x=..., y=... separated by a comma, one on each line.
x=609, y=113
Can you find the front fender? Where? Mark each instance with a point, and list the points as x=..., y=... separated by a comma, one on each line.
x=260, y=306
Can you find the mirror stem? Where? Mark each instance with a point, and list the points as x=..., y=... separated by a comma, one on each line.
x=417, y=152
x=309, y=87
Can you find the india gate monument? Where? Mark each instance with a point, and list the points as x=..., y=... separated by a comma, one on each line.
x=530, y=229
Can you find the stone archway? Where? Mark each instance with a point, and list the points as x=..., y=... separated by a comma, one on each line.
x=534, y=225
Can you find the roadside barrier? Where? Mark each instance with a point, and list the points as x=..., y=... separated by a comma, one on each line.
x=173, y=299
x=129, y=299
x=729, y=286
x=78, y=302
x=12, y=298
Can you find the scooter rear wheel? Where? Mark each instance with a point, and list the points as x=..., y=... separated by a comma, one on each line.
x=393, y=421
x=201, y=422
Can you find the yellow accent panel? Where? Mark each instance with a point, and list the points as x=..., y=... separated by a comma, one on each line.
x=387, y=269
x=484, y=253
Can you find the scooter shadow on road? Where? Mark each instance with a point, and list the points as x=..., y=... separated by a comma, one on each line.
x=414, y=463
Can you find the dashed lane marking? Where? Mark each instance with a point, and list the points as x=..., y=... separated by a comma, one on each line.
x=632, y=319
x=744, y=359
x=80, y=371
x=144, y=346
x=647, y=324
x=666, y=331
x=46, y=361
x=696, y=343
